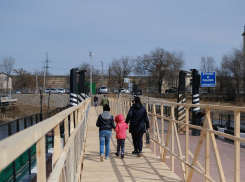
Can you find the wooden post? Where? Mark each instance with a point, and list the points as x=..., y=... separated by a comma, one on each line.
x=66, y=129
x=79, y=114
x=71, y=123
x=162, y=129
x=76, y=122
x=57, y=144
x=172, y=137
x=154, y=128
x=186, y=142
x=147, y=107
x=237, y=146
x=41, y=160
x=207, y=148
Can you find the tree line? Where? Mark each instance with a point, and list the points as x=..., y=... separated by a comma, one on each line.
x=230, y=72
x=151, y=69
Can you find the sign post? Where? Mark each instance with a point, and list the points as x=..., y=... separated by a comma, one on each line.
x=208, y=79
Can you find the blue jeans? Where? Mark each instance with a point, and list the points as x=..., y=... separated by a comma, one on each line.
x=95, y=103
x=105, y=136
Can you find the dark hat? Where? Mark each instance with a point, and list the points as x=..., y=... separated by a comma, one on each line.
x=106, y=107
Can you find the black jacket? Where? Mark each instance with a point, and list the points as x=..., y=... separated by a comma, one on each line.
x=105, y=121
x=138, y=119
x=95, y=98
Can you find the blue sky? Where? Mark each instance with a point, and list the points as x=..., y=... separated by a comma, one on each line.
x=68, y=30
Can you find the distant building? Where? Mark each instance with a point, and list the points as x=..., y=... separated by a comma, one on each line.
x=5, y=81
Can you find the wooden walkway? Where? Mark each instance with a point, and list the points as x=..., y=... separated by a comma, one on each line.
x=131, y=168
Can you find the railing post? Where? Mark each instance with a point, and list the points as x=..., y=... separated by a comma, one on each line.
x=207, y=148
x=14, y=171
x=237, y=146
x=76, y=122
x=186, y=141
x=41, y=162
x=29, y=152
x=66, y=129
x=71, y=122
x=154, y=128
x=57, y=144
x=172, y=137
x=162, y=130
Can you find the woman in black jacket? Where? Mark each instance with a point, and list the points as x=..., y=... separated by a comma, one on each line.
x=139, y=123
x=105, y=122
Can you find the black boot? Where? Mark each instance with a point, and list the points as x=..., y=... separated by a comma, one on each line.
x=122, y=156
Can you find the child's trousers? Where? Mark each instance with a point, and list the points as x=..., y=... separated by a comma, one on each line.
x=120, y=144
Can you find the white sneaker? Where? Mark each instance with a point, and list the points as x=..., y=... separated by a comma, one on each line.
x=107, y=158
x=101, y=158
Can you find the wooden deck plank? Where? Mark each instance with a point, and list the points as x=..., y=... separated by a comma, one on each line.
x=131, y=168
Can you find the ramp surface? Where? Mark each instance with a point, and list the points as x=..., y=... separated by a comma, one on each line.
x=132, y=168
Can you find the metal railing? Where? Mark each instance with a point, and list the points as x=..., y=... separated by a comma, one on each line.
x=11, y=127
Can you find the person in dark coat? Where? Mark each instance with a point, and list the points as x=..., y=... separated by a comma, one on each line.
x=139, y=123
x=105, y=122
x=95, y=101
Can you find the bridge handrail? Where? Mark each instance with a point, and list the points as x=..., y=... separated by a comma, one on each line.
x=15, y=145
x=122, y=105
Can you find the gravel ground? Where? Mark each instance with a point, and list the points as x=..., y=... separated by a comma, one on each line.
x=56, y=100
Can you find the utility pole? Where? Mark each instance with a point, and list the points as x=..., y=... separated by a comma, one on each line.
x=90, y=53
x=47, y=66
x=109, y=77
x=44, y=78
x=102, y=74
x=36, y=83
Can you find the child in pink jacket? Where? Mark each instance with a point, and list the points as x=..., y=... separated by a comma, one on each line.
x=120, y=129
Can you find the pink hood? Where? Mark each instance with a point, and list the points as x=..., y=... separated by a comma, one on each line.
x=119, y=118
x=120, y=127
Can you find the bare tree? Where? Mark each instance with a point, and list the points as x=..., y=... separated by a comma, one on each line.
x=177, y=63
x=225, y=79
x=7, y=65
x=156, y=65
x=121, y=68
x=234, y=64
x=207, y=64
x=95, y=72
x=24, y=79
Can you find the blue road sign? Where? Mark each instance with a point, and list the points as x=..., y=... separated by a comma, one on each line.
x=208, y=79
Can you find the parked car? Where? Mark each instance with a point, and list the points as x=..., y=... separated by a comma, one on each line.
x=68, y=91
x=122, y=90
x=116, y=91
x=62, y=91
x=51, y=90
x=103, y=90
x=171, y=90
x=127, y=91
x=17, y=91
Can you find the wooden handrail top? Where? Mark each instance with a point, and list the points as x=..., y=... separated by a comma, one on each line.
x=233, y=108
x=15, y=145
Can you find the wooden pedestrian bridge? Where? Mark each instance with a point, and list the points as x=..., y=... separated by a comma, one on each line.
x=172, y=155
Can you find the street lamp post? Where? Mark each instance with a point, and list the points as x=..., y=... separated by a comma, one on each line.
x=91, y=72
x=102, y=74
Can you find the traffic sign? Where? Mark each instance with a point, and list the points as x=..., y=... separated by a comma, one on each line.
x=208, y=79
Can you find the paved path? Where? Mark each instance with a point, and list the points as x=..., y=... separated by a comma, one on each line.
x=131, y=168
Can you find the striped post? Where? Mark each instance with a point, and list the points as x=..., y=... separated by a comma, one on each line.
x=195, y=99
x=181, y=99
x=73, y=88
x=81, y=88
